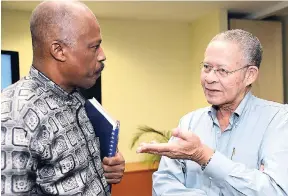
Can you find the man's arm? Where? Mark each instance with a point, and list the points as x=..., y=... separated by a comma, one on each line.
x=18, y=174
x=234, y=178
x=170, y=180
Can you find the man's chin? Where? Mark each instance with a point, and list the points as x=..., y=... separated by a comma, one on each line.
x=213, y=101
x=89, y=85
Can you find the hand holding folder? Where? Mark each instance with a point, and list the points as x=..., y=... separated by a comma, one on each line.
x=107, y=130
x=105, y=127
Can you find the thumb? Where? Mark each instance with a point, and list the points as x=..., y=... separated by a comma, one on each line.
x=184, y=135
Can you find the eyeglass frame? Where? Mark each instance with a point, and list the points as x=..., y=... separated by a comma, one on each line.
x=217, y=70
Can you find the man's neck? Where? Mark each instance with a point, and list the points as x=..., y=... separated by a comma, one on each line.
x=53, y=75
x=225, y=111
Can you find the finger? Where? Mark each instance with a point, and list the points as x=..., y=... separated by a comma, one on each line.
x=184, y=135
x=115, y=168
x=113, y=175
x=116, y=160
x=145, y=143
x=167, y=154
x=162, y=147
x=176, y=132
x=106, y=160
x=113, y=181
x=142, y=144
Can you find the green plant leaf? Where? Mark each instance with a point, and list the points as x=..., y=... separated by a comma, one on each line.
x=161, y=137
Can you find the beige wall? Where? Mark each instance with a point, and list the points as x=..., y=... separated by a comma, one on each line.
x=147, y=80
x=152, y=70
x=202, y=31
x=269, y=84
x=285, y=56
x=15, y=36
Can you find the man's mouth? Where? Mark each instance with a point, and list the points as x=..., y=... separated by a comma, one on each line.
x=212, y=90
x=102, y=65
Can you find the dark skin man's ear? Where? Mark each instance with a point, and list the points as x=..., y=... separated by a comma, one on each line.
x=57, y=50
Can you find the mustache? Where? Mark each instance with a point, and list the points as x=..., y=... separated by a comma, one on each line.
x=102, y=66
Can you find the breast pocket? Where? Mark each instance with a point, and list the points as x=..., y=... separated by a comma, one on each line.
x=247, y=156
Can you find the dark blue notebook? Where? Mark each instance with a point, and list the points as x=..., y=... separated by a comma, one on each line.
x=106, y=128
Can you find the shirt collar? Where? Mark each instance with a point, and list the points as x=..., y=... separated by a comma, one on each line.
x=212, y=112
x=239, y=110
x=48, y=84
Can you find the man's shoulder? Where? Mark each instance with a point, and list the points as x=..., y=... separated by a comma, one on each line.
x=196, y=113
x=267, y=105
x=17, y=96
x=271, y=112
x=21, y=87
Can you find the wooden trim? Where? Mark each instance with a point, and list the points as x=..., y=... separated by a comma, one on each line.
x=140, y=166
x=137, y=180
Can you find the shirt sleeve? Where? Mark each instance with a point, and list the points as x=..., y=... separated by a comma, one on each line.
x=169, y=179
x=236, y=178
x=18, y=165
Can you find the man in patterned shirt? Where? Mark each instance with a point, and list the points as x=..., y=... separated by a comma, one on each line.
x=49, y=146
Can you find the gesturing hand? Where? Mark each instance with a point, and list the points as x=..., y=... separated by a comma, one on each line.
x=186, y=146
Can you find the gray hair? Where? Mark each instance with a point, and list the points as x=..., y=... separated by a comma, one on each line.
x=248, y=44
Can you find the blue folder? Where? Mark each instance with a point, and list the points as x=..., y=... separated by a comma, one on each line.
x=104, y=126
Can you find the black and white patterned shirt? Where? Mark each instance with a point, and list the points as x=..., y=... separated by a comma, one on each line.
x=48, y=143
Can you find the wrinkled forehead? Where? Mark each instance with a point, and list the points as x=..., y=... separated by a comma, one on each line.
x=223, y=53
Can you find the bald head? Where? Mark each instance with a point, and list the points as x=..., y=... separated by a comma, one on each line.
x=58, y=20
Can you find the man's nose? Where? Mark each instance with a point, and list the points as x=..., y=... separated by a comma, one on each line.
x=211, y=77
x=101, y=56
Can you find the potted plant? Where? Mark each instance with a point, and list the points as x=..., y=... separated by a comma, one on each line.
x=158, y=136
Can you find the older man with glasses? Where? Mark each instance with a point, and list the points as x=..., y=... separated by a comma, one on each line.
x=238, y=145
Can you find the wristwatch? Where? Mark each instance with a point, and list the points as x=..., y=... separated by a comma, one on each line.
x=203, y=166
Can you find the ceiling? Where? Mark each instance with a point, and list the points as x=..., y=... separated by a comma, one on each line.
x=283, y=12
x=183, y=11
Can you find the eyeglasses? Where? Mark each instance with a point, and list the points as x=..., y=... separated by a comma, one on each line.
x=219, y=72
